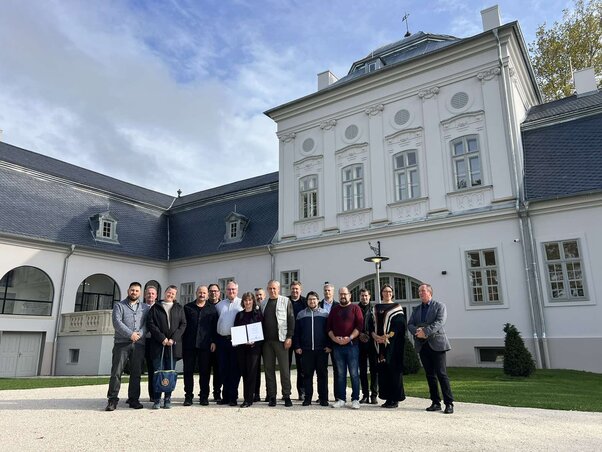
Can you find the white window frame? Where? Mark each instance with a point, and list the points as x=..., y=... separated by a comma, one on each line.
x=467, y=178
x=353, y=187
x=563, y=265
x=233, y=228
x=484, y=277
x=308, y=196
x=406, y=177
x=286, y=278
x=186, y=293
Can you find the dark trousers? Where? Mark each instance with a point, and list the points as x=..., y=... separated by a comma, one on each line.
x=228, y=368
x=193, y=358
x=248, y=363
x=150, y=371
x=214, y=369
x=299, y=366
x=368, y=361
x=435, y=368
x=390, y=382
x=258, y=378
x=122, y=354
x=315, y=361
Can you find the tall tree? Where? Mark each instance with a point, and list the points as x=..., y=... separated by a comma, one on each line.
x=574, y=42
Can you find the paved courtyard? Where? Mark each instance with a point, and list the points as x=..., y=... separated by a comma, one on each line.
x=74, y=419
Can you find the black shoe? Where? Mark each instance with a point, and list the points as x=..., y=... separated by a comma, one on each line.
x=217, y=399
x=257, y=398
x=306, y=402
x=373, y=400
x=434, y=407
x=323, y=402
x=233, y=403
x=365, y=399
x=272, y=401
x=385, y=405
x=111, y=405
x=392, y=404
x=221, y=402
x=187, y=401
x=204, y=402
x=246, y=404
x=301, y=396
x=135, y=404
x=449, y=409
x=287, y=401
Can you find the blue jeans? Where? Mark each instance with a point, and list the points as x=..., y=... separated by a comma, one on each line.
x=346, y=357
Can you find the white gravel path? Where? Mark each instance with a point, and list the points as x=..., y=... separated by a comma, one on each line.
x=65, y=419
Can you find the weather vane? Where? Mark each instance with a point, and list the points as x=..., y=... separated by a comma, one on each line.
x=405, y=19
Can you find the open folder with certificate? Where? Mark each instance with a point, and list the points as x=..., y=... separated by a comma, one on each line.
x=252, y=332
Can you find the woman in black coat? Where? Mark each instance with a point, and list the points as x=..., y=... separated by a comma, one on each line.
x=248, y=354
x=166, y=323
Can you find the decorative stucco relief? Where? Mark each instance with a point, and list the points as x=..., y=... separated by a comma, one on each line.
x=352, y=154
x=328, y=124
x=308, y=166
x=470, y=200
x=463, y=122
x=374, y=110
x=428, y=93
x=308, y=228
x=489, y=74
x=408, y=212
x=354, y=220
x=286, y=137
x=405, y=138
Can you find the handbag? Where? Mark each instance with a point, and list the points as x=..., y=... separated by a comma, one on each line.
x=165, y=380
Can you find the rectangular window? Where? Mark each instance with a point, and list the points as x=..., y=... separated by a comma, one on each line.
x=405, y=174
x=482, y=270
x=107, y=229
x=286, y=278
x=490, y=355
x=466, y=162
x=353, y=187
x=308, y=196
x=186, y=293
x=564, y=271
x=233, y=230
x=222, y=283
x=73, y=356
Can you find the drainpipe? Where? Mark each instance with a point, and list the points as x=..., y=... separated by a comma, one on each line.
x=57, y=323
x=272, y=262
x=526, y=245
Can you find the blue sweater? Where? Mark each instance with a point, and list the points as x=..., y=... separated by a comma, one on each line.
x=310, y=330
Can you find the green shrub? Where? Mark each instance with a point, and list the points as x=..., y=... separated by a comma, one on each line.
x=411, y=363
x=518, y=361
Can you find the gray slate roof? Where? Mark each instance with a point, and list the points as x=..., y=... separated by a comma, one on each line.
x=563, y=158
x=415, y=45
x=56, y=209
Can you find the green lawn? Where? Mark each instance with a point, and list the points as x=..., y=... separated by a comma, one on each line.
x=552, y=389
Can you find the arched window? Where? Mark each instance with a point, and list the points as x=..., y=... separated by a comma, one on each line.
x=405, y=288
x=152, y=282
x=97, y=292
x=26, y=291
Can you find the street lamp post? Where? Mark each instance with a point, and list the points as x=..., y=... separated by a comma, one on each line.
x=377, y=259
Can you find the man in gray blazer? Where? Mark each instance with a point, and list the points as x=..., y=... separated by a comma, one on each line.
x=426, y=324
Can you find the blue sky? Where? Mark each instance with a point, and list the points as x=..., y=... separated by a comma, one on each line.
x=171, y=94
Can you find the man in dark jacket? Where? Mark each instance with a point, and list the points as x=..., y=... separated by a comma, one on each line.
x=367, y=354
x=198, y=343
x=311, y=341
x=299, y=304
x=166, y=323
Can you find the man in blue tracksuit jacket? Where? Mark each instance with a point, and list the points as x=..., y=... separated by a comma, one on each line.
x=312, y=342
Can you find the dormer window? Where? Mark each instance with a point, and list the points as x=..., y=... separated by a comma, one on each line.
x=104, y=227
x=373, y=65
x=235, y=227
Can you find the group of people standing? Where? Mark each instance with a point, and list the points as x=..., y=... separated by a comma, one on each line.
x=363, y=339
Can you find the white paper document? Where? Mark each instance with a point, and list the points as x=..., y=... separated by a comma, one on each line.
x=252, y=332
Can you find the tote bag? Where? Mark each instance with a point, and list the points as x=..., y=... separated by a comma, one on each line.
x=165, y=380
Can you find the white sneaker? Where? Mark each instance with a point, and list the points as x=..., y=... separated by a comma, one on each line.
x=355, y=404
x=338, y=404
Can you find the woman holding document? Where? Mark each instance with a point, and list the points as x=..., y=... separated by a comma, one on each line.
x=249, y=353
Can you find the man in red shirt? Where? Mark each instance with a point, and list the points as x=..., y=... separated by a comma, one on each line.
x=345, y=322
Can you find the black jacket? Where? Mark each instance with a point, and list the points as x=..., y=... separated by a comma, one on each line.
x=157, y=325
x=201, y=326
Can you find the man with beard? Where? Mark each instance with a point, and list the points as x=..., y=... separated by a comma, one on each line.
x=129, y=321
x=345, y=322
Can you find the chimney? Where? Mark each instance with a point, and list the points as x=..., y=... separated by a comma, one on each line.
x=325, y=79
x=491, y=18
x=585, y=82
